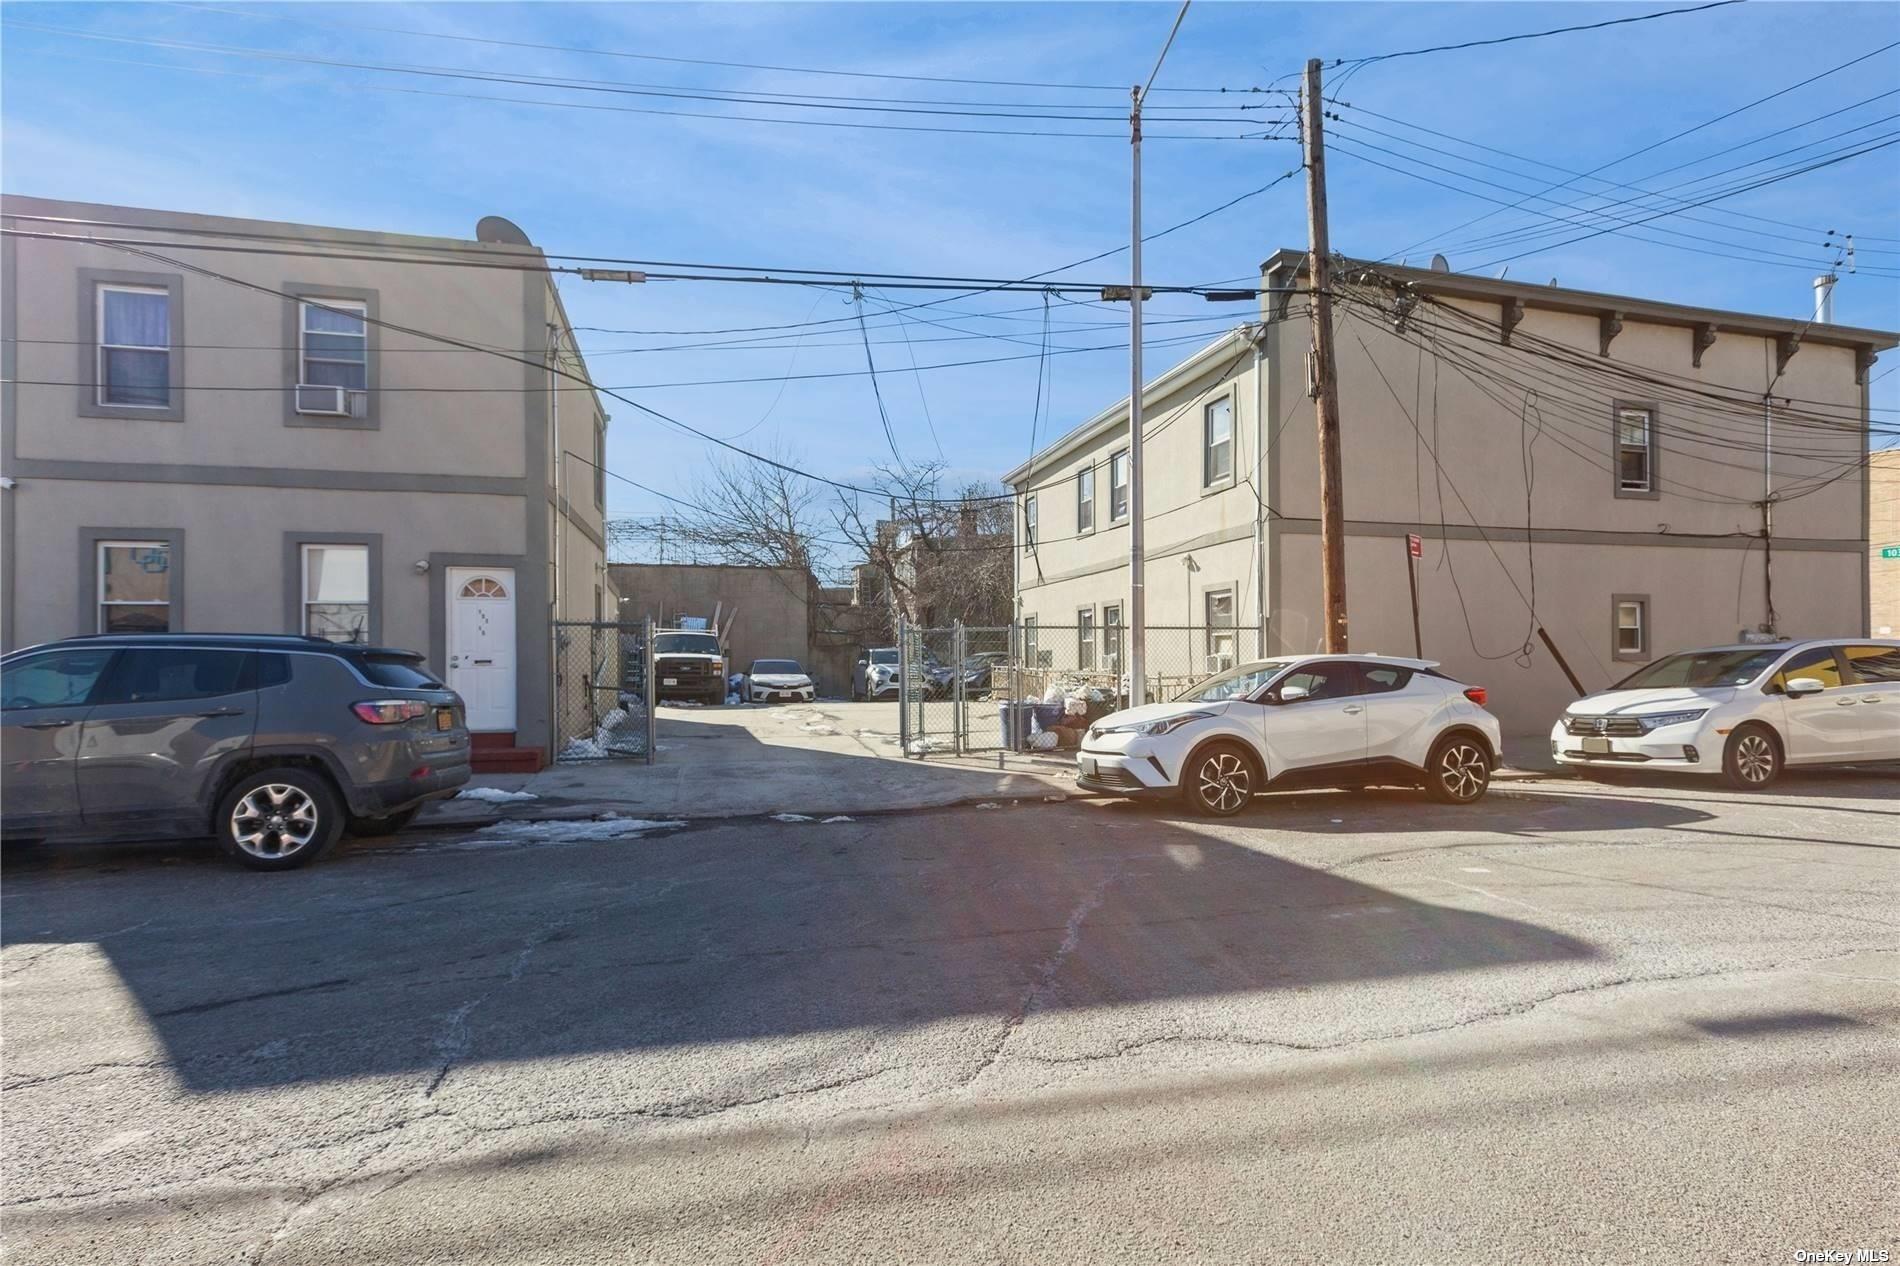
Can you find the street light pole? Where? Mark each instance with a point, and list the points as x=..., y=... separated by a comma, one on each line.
x=1137, y=596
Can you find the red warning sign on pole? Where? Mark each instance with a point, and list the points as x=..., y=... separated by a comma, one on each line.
x=1415, y=545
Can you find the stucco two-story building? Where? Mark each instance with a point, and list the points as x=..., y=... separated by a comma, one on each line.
x=239, y=425
x=1593, y=466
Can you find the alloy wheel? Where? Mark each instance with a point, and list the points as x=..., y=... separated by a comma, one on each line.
x=274, y=820
x=1755, y=758
x=1463, y=771
x=1225, y=782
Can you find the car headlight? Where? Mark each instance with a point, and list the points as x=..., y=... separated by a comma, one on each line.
x=1164, y=726
x=1658, y=720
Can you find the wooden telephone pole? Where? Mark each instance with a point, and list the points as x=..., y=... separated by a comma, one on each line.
x=1332, y=514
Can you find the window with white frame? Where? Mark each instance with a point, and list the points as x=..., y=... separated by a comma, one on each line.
x=135, y=346
x=1029, y=519
x=333, y=344
x=1635, y=450
x=1085, y=499
x=1085, y=639
x=1221, y=635
x=600, y=465
x=1217, y=447
x=336, y=592
x=134, y=580
x=1118, y=487
x=1112, y=637
x=1632, y=627
x=1032, y=641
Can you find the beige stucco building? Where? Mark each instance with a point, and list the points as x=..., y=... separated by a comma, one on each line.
x=1883, y=517
x=222, y=424
x=1600, y=459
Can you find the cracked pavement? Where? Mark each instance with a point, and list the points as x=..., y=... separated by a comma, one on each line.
x=1578, y=1021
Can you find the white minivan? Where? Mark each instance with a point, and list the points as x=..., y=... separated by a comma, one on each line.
x=1744, y=712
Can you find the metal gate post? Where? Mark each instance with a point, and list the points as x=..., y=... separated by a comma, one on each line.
x=650, y=689
x=903, y=686
x=1017, y=649
x=960, y=715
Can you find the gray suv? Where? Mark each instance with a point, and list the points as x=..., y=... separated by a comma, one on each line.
x=275, y=745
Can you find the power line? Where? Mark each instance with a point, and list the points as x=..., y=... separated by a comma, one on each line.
x=1529, y=35
x=1672, y=137
x=696, y=61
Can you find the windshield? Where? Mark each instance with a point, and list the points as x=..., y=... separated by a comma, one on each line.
x=884, y=657
x=1234, y=683
x=685, y=644
x=1703, y=668
x=778, y=667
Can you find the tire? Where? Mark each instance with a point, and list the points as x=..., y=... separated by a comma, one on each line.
x=1751, y=760
x=307, y=814
x=388, y=824
x=1458, y=771
x=1219, y=780
x=715, y=699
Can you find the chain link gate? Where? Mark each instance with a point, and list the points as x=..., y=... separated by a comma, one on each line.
x=965, y=690
x=603, y=691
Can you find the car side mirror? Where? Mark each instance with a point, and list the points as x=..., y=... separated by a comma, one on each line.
x=1801, y=686
x=1293, y=694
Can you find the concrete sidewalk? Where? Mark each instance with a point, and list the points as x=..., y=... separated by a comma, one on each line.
x=815, y=759
x=818, y=760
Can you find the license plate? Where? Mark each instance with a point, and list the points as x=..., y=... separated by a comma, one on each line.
x=669, y=681
x=444, y=719
x=1597, y=746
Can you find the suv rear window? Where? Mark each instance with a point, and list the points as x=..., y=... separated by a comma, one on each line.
x=399, y=672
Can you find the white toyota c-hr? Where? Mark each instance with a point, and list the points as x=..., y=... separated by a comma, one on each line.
x=1743, y=712
x=1326, y=720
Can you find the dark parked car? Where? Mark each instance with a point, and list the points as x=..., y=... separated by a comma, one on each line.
x=275, y=745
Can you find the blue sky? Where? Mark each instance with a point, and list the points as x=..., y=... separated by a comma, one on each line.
x=319, y=144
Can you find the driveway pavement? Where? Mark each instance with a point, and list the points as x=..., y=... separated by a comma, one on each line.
x=818, y=759
x=1575, y=1022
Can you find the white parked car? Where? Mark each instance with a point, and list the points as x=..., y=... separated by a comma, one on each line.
x=875, y=674
x=1329, y=720
x=1744, y=712
x=780, y=679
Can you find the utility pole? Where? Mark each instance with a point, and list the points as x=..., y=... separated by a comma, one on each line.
x=1332, y=513
x=1137, y=595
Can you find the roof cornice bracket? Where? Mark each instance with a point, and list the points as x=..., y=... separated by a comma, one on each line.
x=1864, y=358
x=1511, y=311
x=1786, y=345
x=1704, y=340
x=1609, y=325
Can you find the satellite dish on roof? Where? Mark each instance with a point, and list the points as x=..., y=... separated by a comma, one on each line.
x=1440, y=264
x=500, y=230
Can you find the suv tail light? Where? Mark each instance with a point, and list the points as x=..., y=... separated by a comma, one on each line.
x=389, y=711
x=1477, y=694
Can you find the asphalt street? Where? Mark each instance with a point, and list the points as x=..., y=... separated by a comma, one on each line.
x=1576, y=1022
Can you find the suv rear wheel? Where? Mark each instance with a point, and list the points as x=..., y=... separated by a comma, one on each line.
x=278, y=819
x=1458, y=771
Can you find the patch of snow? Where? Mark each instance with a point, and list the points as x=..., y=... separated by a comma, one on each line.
x=818, y=727
x=791, y=817
x=989, y=804
x=840, y=818
x=922, y=746
x=582, y=830
x=733, y=701
x=494, y=795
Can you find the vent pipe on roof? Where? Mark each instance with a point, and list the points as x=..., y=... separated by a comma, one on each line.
x=1824, y=299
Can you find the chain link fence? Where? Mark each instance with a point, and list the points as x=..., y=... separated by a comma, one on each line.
x=967, y=689
x=603, y=684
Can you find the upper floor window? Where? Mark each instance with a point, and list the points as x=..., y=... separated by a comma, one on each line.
x=600, y=465
x=336, y=592
x=1029, y=519
x=1118, y=487
x=1085, y=499
x=1635, y=451
x=333, y=344
x=135, y=346
x=134, y=586
x=1217, y=447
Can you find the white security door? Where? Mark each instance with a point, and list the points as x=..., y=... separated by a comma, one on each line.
x=482, y=644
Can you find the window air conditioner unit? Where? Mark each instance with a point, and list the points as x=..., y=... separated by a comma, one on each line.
x=335, y=402
x=1218, y=663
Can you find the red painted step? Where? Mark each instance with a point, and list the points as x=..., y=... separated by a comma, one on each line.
x=494, y=752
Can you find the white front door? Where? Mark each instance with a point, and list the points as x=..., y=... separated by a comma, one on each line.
x=482, y=644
